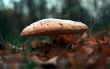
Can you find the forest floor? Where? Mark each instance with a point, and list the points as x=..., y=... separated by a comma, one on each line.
x=86, y=53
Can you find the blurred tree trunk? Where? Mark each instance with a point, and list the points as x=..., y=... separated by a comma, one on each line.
x=1, y=38
x=32, y=10
x=1, y=5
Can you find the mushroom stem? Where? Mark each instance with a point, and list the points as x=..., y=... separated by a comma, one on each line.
x=55, y=40
x=70, y=38
x=54, y=37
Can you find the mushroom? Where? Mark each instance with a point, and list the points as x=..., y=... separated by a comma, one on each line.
x=55, y=29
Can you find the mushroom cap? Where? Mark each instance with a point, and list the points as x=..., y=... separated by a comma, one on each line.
x=53, y=26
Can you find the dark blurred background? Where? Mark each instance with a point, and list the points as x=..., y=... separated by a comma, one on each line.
x=17, y=14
